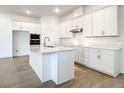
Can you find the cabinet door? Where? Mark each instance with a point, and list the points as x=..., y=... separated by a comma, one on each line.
x=16, y=25
x=87, y=25
x=86, y=56
x=32, y=28
x=65, y=66
x=77, y=23
x=102, y=60
x=94, y=58
x=66, y=27
x=107, y=61
x=111, y=21
x=37, y=28
x=81, y=58
x=76, y=54
x=98, y=23
x=25, y=26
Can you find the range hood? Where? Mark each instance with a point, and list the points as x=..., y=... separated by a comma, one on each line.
x=79, y=30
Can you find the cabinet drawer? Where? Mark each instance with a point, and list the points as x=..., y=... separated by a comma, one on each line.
x=104, y=51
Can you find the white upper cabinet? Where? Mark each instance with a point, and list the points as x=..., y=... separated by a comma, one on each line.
x=77, y=22
x=38, y=28
x=26, y=26
x=78, y=12
x=20, y=26
x=111, y=21
x=98, y=23
x=65, y=29
x=34, y=28
x=16, y=25
x=105, y=22
x=87, y=25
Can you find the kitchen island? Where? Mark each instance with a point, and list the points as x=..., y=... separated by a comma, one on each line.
x=55, y=63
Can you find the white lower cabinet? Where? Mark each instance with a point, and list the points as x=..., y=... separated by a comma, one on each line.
x=81, y=55
x=106, y=61
x=65, y=66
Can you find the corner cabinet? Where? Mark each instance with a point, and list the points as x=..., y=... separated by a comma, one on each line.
x=104, y=60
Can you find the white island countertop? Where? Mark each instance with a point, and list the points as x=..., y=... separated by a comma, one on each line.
x=49, y=49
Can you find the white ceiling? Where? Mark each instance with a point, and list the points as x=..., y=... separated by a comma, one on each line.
x=37, y=10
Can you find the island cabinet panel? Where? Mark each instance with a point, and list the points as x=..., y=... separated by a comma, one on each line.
x=41, y=65
x=35, y=61
x=65, y=66
x=56, y=66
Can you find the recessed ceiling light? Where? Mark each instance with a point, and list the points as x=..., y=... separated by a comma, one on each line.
x=56, y=10
x=28, y=12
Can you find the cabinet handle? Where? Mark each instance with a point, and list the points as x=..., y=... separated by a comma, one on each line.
x=99, y=56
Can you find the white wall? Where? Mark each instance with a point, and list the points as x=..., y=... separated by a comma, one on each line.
x=21, y=43
x=6, y=32
x=5, y=36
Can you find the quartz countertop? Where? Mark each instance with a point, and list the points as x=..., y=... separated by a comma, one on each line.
x=110, y=47
x=49, y=49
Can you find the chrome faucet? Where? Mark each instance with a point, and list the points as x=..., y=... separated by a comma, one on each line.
x=45, y=41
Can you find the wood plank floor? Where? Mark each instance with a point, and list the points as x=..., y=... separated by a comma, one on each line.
x=17, y=73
